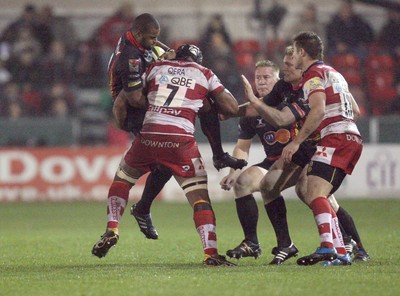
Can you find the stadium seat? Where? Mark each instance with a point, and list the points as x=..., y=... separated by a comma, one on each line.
x=379, y=62
x=349, y=66
x=245, y=60
x=246, y=46
x=381, y=91
x=276, y=46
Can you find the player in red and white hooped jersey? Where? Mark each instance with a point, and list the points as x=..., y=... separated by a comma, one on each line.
x=338, y=150
x=175, y=91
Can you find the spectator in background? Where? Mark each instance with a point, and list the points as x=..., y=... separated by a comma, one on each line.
x=26, y=19
x=307, y=21
x=109, y=32
x=44, y=30
x=60, y=26
x=58, y=65
x=25, y=67
x=218, y=54
x=348, y=32
x=10, y=96
x=389, y=35
x=32, y=100
x=59, y=101
x=26, y=41
x=216, y=24
x=5, y=75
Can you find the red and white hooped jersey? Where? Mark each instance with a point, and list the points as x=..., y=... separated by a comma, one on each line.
x=338, y=118
x=175, y=91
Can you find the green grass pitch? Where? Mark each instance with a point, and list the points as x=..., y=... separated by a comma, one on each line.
x=45, y=250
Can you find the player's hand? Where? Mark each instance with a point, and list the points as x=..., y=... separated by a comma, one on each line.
x=168, y=55
x=248, y=91
x=227, y=182
x=289, y=150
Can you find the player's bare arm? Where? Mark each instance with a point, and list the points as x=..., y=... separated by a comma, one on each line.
x=356, y=109
x=134, y=98
x=273, y=116
x=314, y=118
x=226, y=103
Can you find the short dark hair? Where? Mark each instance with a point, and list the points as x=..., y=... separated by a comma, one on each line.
x=145, y=22
x=311, y=43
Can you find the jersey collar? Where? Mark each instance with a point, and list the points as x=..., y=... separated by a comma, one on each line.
x=315, y=63
x=132, y=40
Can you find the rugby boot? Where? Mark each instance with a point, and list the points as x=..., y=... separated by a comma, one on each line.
x=145, y=223
x=245, y=249
x=216, y=260
x=283, y=254
x=361, y=256
x=107, y=240
x=225, y=160
x=321, y=254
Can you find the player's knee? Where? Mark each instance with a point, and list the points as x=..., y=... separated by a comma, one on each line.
x=267, y=188
x=301, y=192
x=125, y=177
x=242, y=183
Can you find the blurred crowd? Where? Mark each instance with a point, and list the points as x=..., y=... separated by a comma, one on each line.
x=43, y=64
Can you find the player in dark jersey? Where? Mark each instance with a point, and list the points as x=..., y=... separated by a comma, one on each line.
x=247, y=182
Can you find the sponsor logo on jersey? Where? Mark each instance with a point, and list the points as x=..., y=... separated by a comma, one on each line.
x=163, y=79
x=281, y=136
x=324, y=154
x=314, y=83
x=164, y=110
x=134, y=65
x=260, y=123
x=134, y=83
x=158, y=144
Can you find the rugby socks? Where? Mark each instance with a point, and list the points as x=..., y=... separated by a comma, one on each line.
x=322, y=214
x=276, y=211
x=247, y=210
x=154, y=184
x=337, y=235
x=118, y=196
x=204, y=220
x=210, y=126
x=349, y=226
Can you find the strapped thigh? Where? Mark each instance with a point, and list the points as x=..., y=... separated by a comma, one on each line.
x=195, y=183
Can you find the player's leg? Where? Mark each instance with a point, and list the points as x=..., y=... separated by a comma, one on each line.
x=155, y=182
x=117, y=199
x=323, y=180
x=195, y=189
x=279, y=177
x=247, y=210
x=347, y=223
x=210, y=126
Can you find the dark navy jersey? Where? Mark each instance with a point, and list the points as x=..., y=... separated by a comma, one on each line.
x=275, y=139
x=125, y=69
